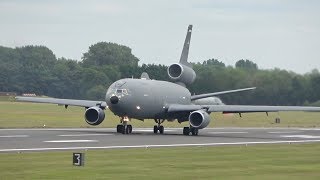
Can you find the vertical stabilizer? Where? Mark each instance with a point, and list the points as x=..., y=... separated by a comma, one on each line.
x=185, y=50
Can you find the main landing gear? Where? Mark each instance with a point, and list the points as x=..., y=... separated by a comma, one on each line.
x=158, y=127
x=124, y=127
x=192, y=130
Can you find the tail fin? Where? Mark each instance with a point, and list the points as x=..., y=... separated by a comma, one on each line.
x=185, y=50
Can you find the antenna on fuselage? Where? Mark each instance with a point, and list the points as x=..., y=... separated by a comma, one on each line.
x=185, y=50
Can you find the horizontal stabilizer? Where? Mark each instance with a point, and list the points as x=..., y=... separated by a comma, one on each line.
x=200, y=96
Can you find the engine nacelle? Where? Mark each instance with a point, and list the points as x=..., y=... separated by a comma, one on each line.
x=94, y=116
x=181, y=73
x=199, y=119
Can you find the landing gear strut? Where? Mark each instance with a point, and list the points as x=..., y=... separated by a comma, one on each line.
x=192, y=130
x=158, y=127
x=124, y=127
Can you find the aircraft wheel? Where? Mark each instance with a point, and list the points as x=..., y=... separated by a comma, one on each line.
x=161, y=129
x=194, y=131
x=186, y=131
x=123, y=129
x=119, y=126
x=127, y=130
x=129, y=127
x=155, y=129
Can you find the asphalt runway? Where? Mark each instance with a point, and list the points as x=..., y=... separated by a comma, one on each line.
x=19, y=140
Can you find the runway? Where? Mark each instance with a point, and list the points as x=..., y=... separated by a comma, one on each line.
x=20, y=140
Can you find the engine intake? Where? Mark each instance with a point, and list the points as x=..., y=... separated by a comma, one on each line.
x=199, y=119
x=181, y=73
x=94, y=116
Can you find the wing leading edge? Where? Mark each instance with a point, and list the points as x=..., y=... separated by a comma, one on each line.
x=67, y=102
x=200, y=96
x=239, y=108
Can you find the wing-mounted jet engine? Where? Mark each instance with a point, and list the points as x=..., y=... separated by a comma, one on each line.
x=94, y=115
x=182, y=72
x=198, y=120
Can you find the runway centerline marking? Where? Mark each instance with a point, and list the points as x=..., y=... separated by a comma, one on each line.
x=14, y=136
x=228, y=132
x=151, y=130
x=161, y=145
x=70, y=141
x=80, y=135
x=284, y=132
x=302, y=136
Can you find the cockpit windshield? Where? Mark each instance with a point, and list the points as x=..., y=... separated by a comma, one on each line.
x=121, y=92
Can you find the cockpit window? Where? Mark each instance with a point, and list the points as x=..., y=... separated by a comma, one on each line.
x=121, y=91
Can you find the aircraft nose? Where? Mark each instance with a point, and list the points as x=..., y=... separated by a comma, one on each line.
x=114, y=99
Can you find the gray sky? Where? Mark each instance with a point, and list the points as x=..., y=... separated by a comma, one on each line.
x=272, y=33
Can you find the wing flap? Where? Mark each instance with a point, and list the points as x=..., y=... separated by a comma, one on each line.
x=71, y=102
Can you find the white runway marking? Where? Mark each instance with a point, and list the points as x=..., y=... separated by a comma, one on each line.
x=155, y=145
x=79, y=135
x=284, y=132
x=151, y=130
x=302, y=136
x=14, y=136
x=103, y=129
x=70, y=141
x=228, y=132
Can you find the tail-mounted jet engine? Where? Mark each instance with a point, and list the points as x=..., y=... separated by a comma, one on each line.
x=199, y=119
x=181, y=73
x=94, y=116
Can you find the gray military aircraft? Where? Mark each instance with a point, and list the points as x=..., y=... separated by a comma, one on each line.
x=161, y=100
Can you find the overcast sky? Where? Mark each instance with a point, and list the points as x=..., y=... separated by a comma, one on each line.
x=272, y=33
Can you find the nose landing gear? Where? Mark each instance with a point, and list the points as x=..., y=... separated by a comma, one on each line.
x=158, y=127
x=124, y=127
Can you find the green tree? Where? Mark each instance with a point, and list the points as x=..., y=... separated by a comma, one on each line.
x=246, y=64
x=213, y=62
x=104, y=53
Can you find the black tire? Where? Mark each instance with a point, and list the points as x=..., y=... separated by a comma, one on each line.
x=194, y=131
x=123, y=129
x=119, y=128
x=161, y=129
x=129, y=129
x=186, y=131
x=155, y=129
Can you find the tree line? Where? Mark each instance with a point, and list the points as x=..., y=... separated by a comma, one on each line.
x=35, y=69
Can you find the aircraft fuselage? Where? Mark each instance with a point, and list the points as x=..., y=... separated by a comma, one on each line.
x=145, y=99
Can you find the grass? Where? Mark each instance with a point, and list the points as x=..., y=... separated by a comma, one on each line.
x=295, y=161
x=30, y=115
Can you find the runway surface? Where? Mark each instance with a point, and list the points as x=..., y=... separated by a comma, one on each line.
x=18, y=140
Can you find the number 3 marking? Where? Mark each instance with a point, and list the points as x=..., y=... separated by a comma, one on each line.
x=78, y=158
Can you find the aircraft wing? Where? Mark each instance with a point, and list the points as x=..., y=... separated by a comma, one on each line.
x=200, y=96
x=67, y=102
x=239, y=108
